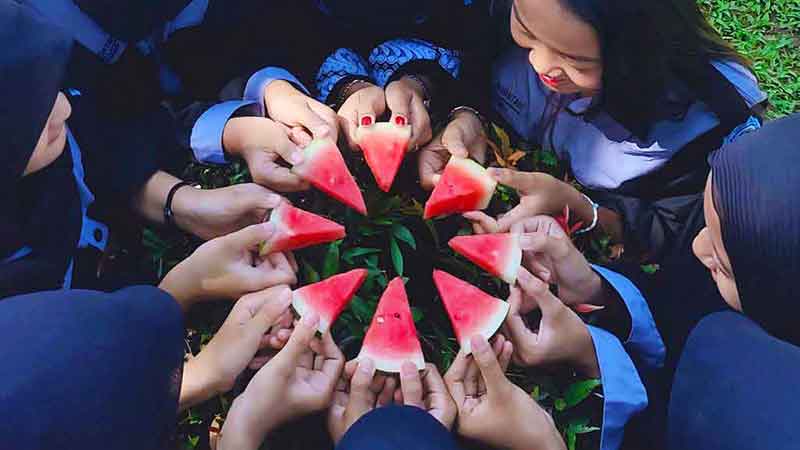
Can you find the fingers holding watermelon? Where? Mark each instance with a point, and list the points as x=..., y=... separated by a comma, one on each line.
x=362, y=107
x=356, y=395
x=426, y=390
x=306, y=116
x=405, y=98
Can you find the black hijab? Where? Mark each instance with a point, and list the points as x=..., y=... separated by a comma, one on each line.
x=131, y=20
x=40, y=211
x=756, y=190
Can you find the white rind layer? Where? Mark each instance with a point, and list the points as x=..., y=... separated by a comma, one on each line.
x=478, y=172
x=384, y=128
x=392, y=365
x=492, y=325
x=300, y=306
x=514, y=260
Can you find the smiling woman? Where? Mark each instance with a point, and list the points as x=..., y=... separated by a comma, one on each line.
x=633, y=96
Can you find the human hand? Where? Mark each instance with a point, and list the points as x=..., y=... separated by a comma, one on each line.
x=358, y=392
x=561, y=337
x=248, y=327
x=405, y=98
x=426, y=391
x=306, y=118
x=540, y=194
x=211, y=213
x=229, y=267
x=298, y=381
x=492, y=409
x=464, y=136
x=361, y=108
x=263, y=143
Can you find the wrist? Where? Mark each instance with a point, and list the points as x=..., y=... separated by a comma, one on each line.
x=182, y=207
x=246, y=426
x=179, y=283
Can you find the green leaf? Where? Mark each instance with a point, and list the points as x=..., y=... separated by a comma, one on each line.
x=309, y=273
x=417, y=314
x=397, y=255
x=350, y=254
x=572, y=439
x=383, y=221
x=362, y=309
x=536, y=393
x=331, y=265
x=402, y=233
x=560, y=404
x=578, y=392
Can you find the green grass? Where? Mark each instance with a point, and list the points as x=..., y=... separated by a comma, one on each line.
x=765, y=31
x=768, y=33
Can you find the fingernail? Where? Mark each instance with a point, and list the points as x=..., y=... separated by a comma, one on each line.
x=366, y=365
x=284, y=334
x=273, y=200
x=408, y=370
x=268, y=227
x=436, y=179
x=400, y=120
x=296, y=157
x=366, y=120
x=310, y=319
x=479, y=344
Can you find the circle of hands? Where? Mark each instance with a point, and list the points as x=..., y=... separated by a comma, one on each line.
x=299, y=372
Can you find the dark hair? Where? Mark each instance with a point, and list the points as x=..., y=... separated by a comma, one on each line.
x=644, y=44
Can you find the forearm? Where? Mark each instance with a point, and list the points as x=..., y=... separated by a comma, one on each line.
x=151, y=199
x=245, y=428
x=197, y=385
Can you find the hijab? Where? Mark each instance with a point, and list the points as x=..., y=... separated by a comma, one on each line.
x=756, y=192
x=41, y=211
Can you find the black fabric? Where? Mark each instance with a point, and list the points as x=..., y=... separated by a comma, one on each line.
x=658, y=209
x=86, y=370
x=37, y=209
x=131, y=20
x=755, y=185
x=397, y=427
x=735, y=389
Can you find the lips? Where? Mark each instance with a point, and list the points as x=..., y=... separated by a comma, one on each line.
x=549, y=81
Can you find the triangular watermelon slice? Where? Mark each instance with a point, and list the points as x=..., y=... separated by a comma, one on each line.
x=295, y=228
x=392, y=337
x=471, y=310
x=324, y=167
x=498, y=254
x=384, y=145
x=329, y=297
x=465, y=186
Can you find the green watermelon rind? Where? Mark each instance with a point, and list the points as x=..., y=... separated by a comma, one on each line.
x=387, y=131
x=509, y=271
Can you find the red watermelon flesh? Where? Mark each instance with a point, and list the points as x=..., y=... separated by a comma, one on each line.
x=329, y=297
x=384, y=145
x=498, y=254
x=392, y=337
x=471, y=311
x=465, y=186
x=324, y=167
x=295, y=228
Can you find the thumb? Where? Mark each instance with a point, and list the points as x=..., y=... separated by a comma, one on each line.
x=523, y=182
x=275, y=302
x=248, y=238
x=539, y=291
x=299, y=342
x=254, y=196
x=453, y=139
x=283, y=146
x=313, y=122
x=488, y=364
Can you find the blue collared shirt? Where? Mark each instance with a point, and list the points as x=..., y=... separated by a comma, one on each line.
x=624, y=394
x=601, y=153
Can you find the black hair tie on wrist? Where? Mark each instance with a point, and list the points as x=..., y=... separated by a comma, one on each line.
x=168, y=214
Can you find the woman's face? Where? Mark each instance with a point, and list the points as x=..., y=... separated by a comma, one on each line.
x=564, y=50
x=53, y=138
x=709, y=250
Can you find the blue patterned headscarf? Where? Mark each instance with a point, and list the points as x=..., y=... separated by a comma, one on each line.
x=756, y=191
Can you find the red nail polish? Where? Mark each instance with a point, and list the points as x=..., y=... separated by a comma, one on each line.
x=366, y=121
x=400, y=120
